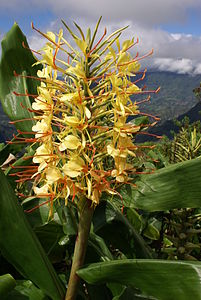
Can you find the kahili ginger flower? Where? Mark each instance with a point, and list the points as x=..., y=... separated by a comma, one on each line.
x=84, y=142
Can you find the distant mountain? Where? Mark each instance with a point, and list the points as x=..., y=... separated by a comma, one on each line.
x=175, y=97
x=165, y=128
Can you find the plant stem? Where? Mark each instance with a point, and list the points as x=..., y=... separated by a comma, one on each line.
x=86, y=215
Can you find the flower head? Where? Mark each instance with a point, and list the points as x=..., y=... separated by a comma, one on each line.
x=85, y=143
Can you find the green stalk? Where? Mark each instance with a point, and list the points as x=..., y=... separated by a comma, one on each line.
x=86, y=215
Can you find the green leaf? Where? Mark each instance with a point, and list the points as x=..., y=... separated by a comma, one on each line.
x=121, y=292
x=49, y=235
x=25, y=290
x=7, y=283
x=39, y=216
x=15, y=58
x=68, y=218
x=161, y=279
x=21, y=247
x=135, y=219
x=110, y=223
x=151, y=232
x=176, y=186
x=100, y=247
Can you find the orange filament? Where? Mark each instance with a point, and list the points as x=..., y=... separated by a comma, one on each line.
x=26, y=47
x=148, y=115
x=145, y=100
x=150, y=134
x=25, y=95
x=46, y=202
x=94, y=48
x=22, y=120
x=140, y=58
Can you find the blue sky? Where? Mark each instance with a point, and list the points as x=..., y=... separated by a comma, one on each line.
x=191, y=24
x=172, y=28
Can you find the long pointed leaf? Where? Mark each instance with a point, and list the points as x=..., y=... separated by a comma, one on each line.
x=176, y=186
x=15, y=58
x=162, y=279
x=106, y=213
x=21, y=247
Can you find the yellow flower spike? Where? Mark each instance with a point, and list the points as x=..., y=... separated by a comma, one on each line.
x=84, y=143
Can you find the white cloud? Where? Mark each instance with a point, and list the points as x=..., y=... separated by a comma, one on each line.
x=181, y=66
x=143, y=12
x=176, y=52
x=176, y=36
x=197, y=69
x=147, y=12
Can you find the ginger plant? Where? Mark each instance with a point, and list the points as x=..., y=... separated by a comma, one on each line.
x=83, y=140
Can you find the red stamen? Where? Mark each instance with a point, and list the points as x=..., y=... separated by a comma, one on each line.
x=132, y=45
x=149, y=115
x=142, y=92
x=150, y=134
x=25, y=47
x=133, y=60
x=20, y=142
x=43, y=34
x=94, y=48
x=141, y=78
x=22, y=180
x=145, y=100
x=25, y=95
x=23, y=173
x=55, y=54
x=46, y=202
x=24, y=167
x=33, y=132
x=23, y=120
x=22, y=195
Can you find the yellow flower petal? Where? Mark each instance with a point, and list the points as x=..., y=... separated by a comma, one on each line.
x=53, y=174
x=41, y=190
x=73, y=167
x=87, y=113
x=42, y=154
x=70, y=142
x=73, y=121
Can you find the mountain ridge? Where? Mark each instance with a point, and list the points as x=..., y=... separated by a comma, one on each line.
x=174, y=99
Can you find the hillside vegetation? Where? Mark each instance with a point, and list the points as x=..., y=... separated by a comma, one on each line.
x=175, y=97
